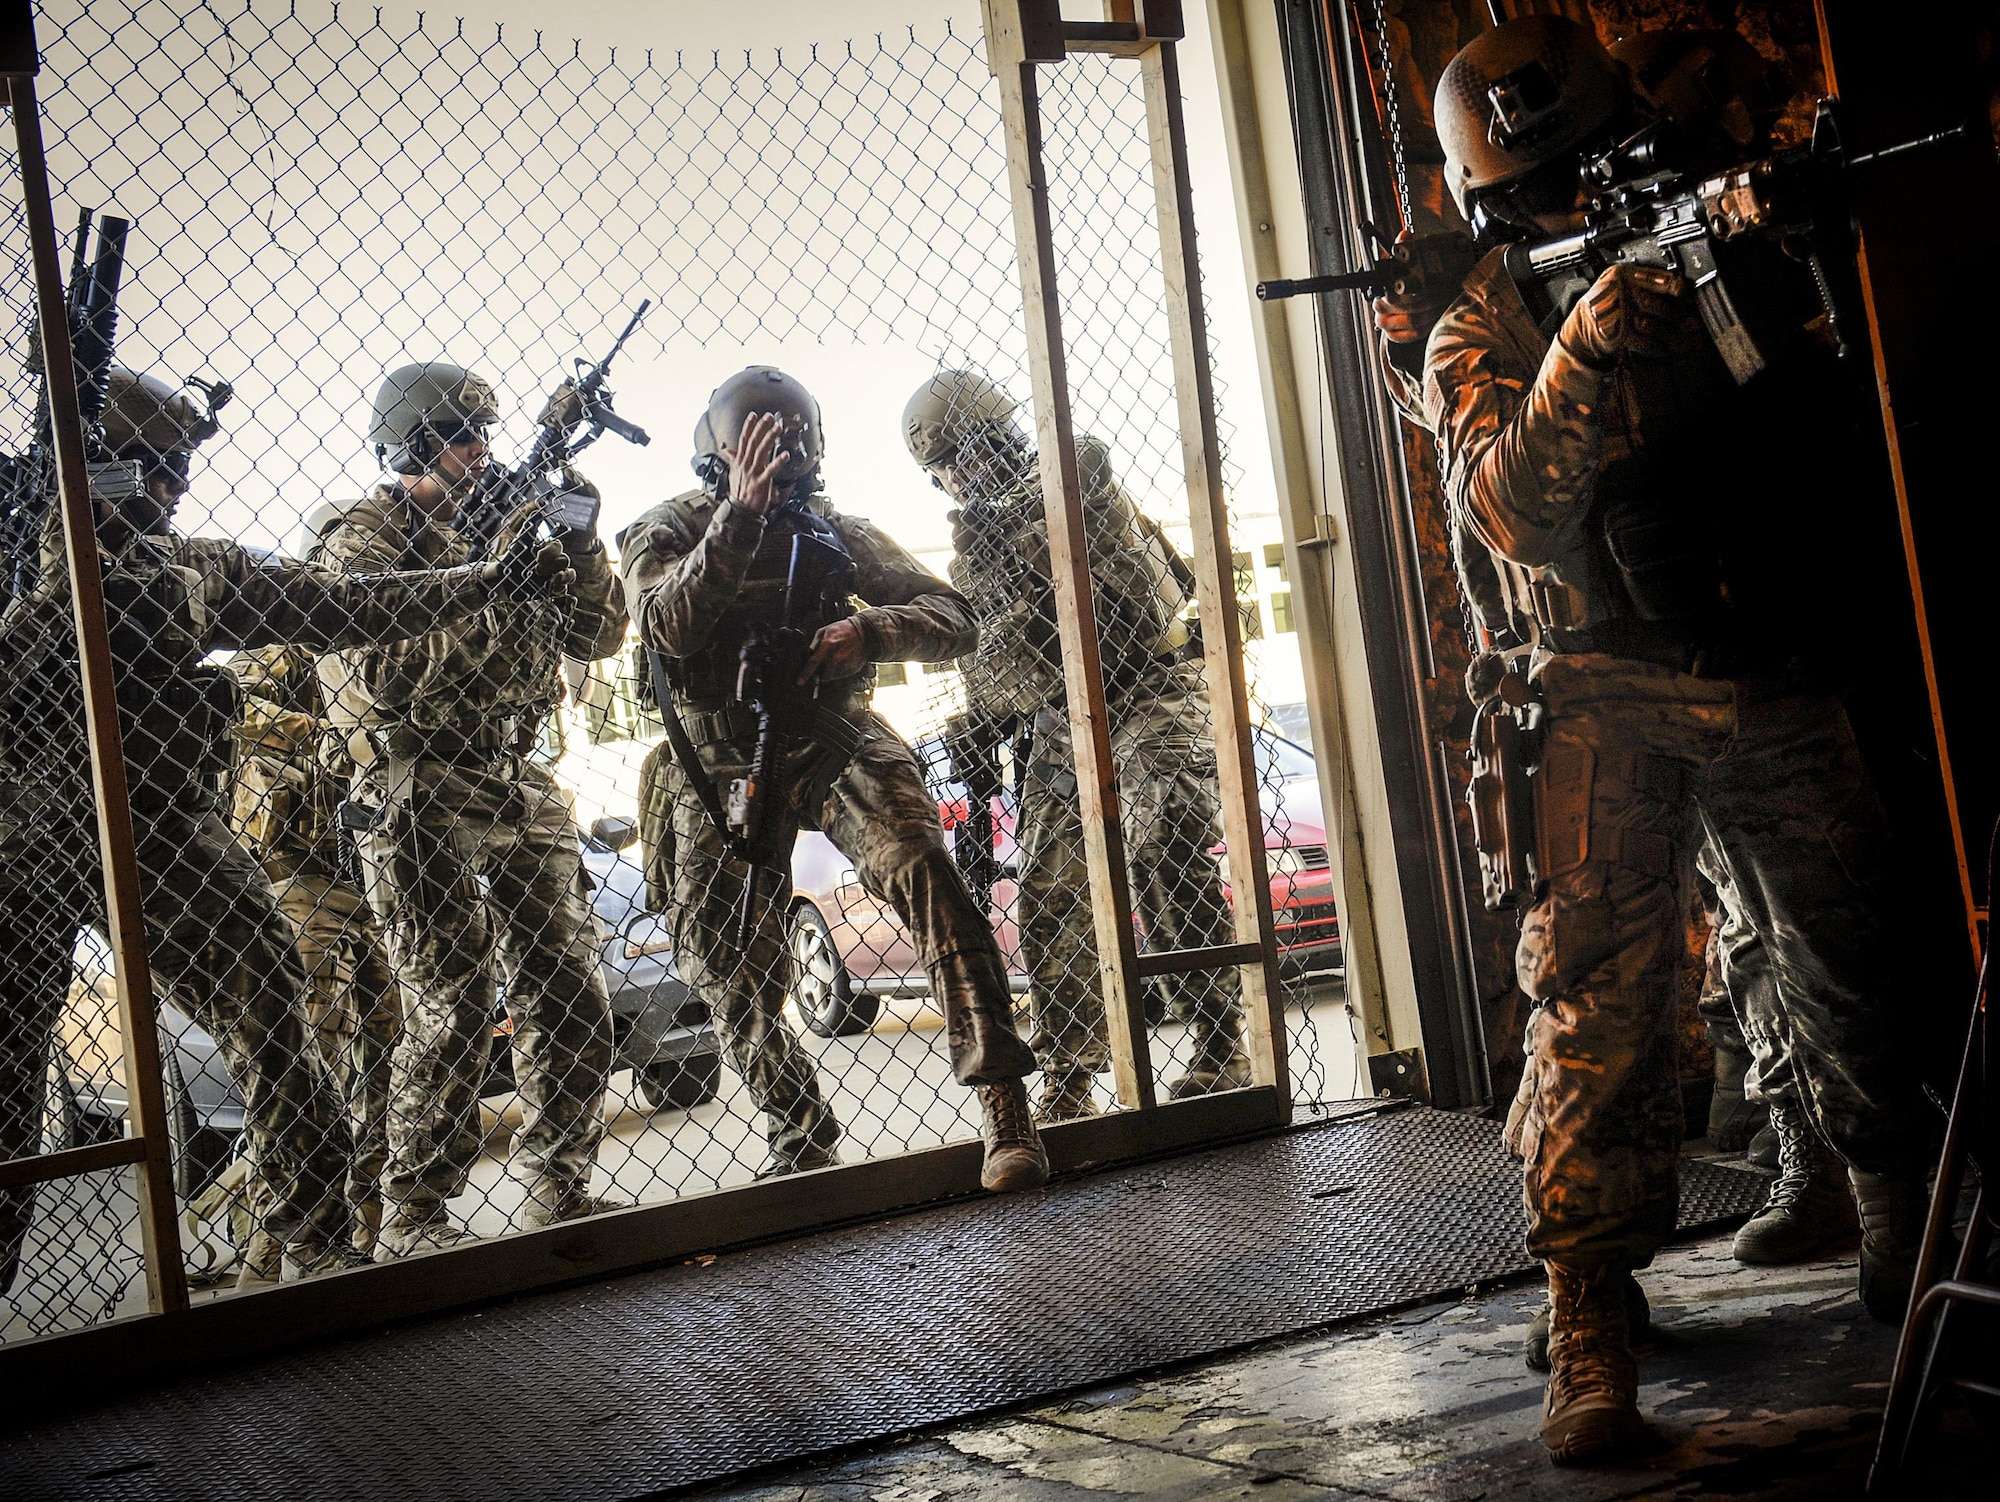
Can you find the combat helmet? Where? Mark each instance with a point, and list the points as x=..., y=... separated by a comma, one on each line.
x=157, y=424
x=420, y=408
x=1524, y=95
x=949, y=408
x=760, y=388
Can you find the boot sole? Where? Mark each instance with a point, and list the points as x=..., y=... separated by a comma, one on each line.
x=1012, y=1177
x=1786, y=1256
x=1596, y=1436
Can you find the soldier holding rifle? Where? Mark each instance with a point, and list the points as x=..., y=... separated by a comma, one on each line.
x=213, y=928
x=469, y=847
x=743, y=591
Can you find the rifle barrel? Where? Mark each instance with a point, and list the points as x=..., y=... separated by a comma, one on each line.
x=1373, y=279
x=1917, y=143
x=596, y=376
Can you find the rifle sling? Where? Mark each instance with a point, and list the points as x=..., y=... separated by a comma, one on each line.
x=687, y=756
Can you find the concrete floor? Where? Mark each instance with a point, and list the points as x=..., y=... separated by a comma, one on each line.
x=1766, y=1383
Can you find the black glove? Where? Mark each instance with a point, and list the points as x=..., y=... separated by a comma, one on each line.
x=532, y=569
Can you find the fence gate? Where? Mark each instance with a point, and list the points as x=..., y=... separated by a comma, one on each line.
x=378, y=928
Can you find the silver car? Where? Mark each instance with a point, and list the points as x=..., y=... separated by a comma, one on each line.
x=662, y=1032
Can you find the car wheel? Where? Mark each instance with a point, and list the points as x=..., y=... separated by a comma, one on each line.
x=199, y=1152
x=65, y=1122
x=820, y=989
x=681, y=1084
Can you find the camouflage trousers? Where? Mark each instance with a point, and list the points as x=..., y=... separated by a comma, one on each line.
x=1642, y=765
x=483, y=870
x=1169, y=812
x=1740, y=996
x=878, y=813
x=353, y=1010
x=215, y=936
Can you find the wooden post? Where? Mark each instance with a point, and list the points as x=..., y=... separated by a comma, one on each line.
x=166, y=1276
x=1215, y=577
x=1311, y=534
x=1020, y=33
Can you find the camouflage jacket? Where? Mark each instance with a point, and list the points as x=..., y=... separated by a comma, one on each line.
x=174, y=601
x=1526, y=436
x=686, y=562
x=289, y=771
x=1002, y=566
x=459, y=674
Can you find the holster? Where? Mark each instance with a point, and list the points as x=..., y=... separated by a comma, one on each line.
x=1505, y=750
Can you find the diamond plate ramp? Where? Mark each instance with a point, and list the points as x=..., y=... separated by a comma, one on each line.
x=681, y=1375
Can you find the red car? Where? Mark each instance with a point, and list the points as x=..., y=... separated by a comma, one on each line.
x=849, y=951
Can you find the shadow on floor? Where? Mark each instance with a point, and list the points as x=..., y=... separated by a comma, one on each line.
x=1767, y=1383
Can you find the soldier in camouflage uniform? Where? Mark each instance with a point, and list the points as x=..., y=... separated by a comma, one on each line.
x=289, y=776
x=472, y=859
x=212, y=926
x=1690, y=695
x=702, y=573
x=961, y=428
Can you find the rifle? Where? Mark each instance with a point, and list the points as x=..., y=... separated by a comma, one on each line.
x=1699, y=225
x=1429, y=261
x=973, y=744
x=580, y=401
x=1645, y=212
x=28, y=481
x=1505, y=753
x=761, y=822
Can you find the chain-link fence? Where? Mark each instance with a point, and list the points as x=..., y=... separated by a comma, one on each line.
x=448, y=938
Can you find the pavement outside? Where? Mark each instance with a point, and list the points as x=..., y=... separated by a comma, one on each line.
x=1766, y=1383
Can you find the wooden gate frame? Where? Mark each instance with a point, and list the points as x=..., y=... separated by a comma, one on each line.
x=81, y=1365
x=149, y=1145
x=1022, y=35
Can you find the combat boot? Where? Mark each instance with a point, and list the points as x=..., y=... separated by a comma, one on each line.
x=805, y=1160
x=403, y=1236
x=1733, y=1118
x=263, y=1262
x=574, y=1206
x=1067, y=1095
x=1809, y=1208
x=313, y=1258
x=1591, y=1412
x=1638, y=1321
x=1219, y=1063
x=368, y=1224
x=1014, y=1155
x=1893, y=1209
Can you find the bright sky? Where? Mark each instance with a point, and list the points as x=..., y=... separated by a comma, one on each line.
x=312, y=212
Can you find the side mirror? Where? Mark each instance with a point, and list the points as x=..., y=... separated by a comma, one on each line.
x=614, y=832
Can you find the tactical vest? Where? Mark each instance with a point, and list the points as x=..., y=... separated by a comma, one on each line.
x=1694, y=551
x=173, y=712
x=708, y=676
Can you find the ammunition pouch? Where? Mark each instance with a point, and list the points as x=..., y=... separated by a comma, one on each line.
x=473, y=745
x=177, y=738
x=1670, y=572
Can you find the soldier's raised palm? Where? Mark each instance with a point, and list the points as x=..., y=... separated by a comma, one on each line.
x=755, y=462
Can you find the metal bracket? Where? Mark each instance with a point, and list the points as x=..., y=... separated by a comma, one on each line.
x=1399, y=1074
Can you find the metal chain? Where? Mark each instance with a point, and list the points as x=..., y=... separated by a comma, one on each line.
x=1389, y=108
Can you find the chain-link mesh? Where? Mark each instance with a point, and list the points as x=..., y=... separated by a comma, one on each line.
x=447, y=936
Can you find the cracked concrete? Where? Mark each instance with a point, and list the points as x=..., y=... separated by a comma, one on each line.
x=1765, y=1382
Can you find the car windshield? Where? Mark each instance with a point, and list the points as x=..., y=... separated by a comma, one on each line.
x=1280, y=760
